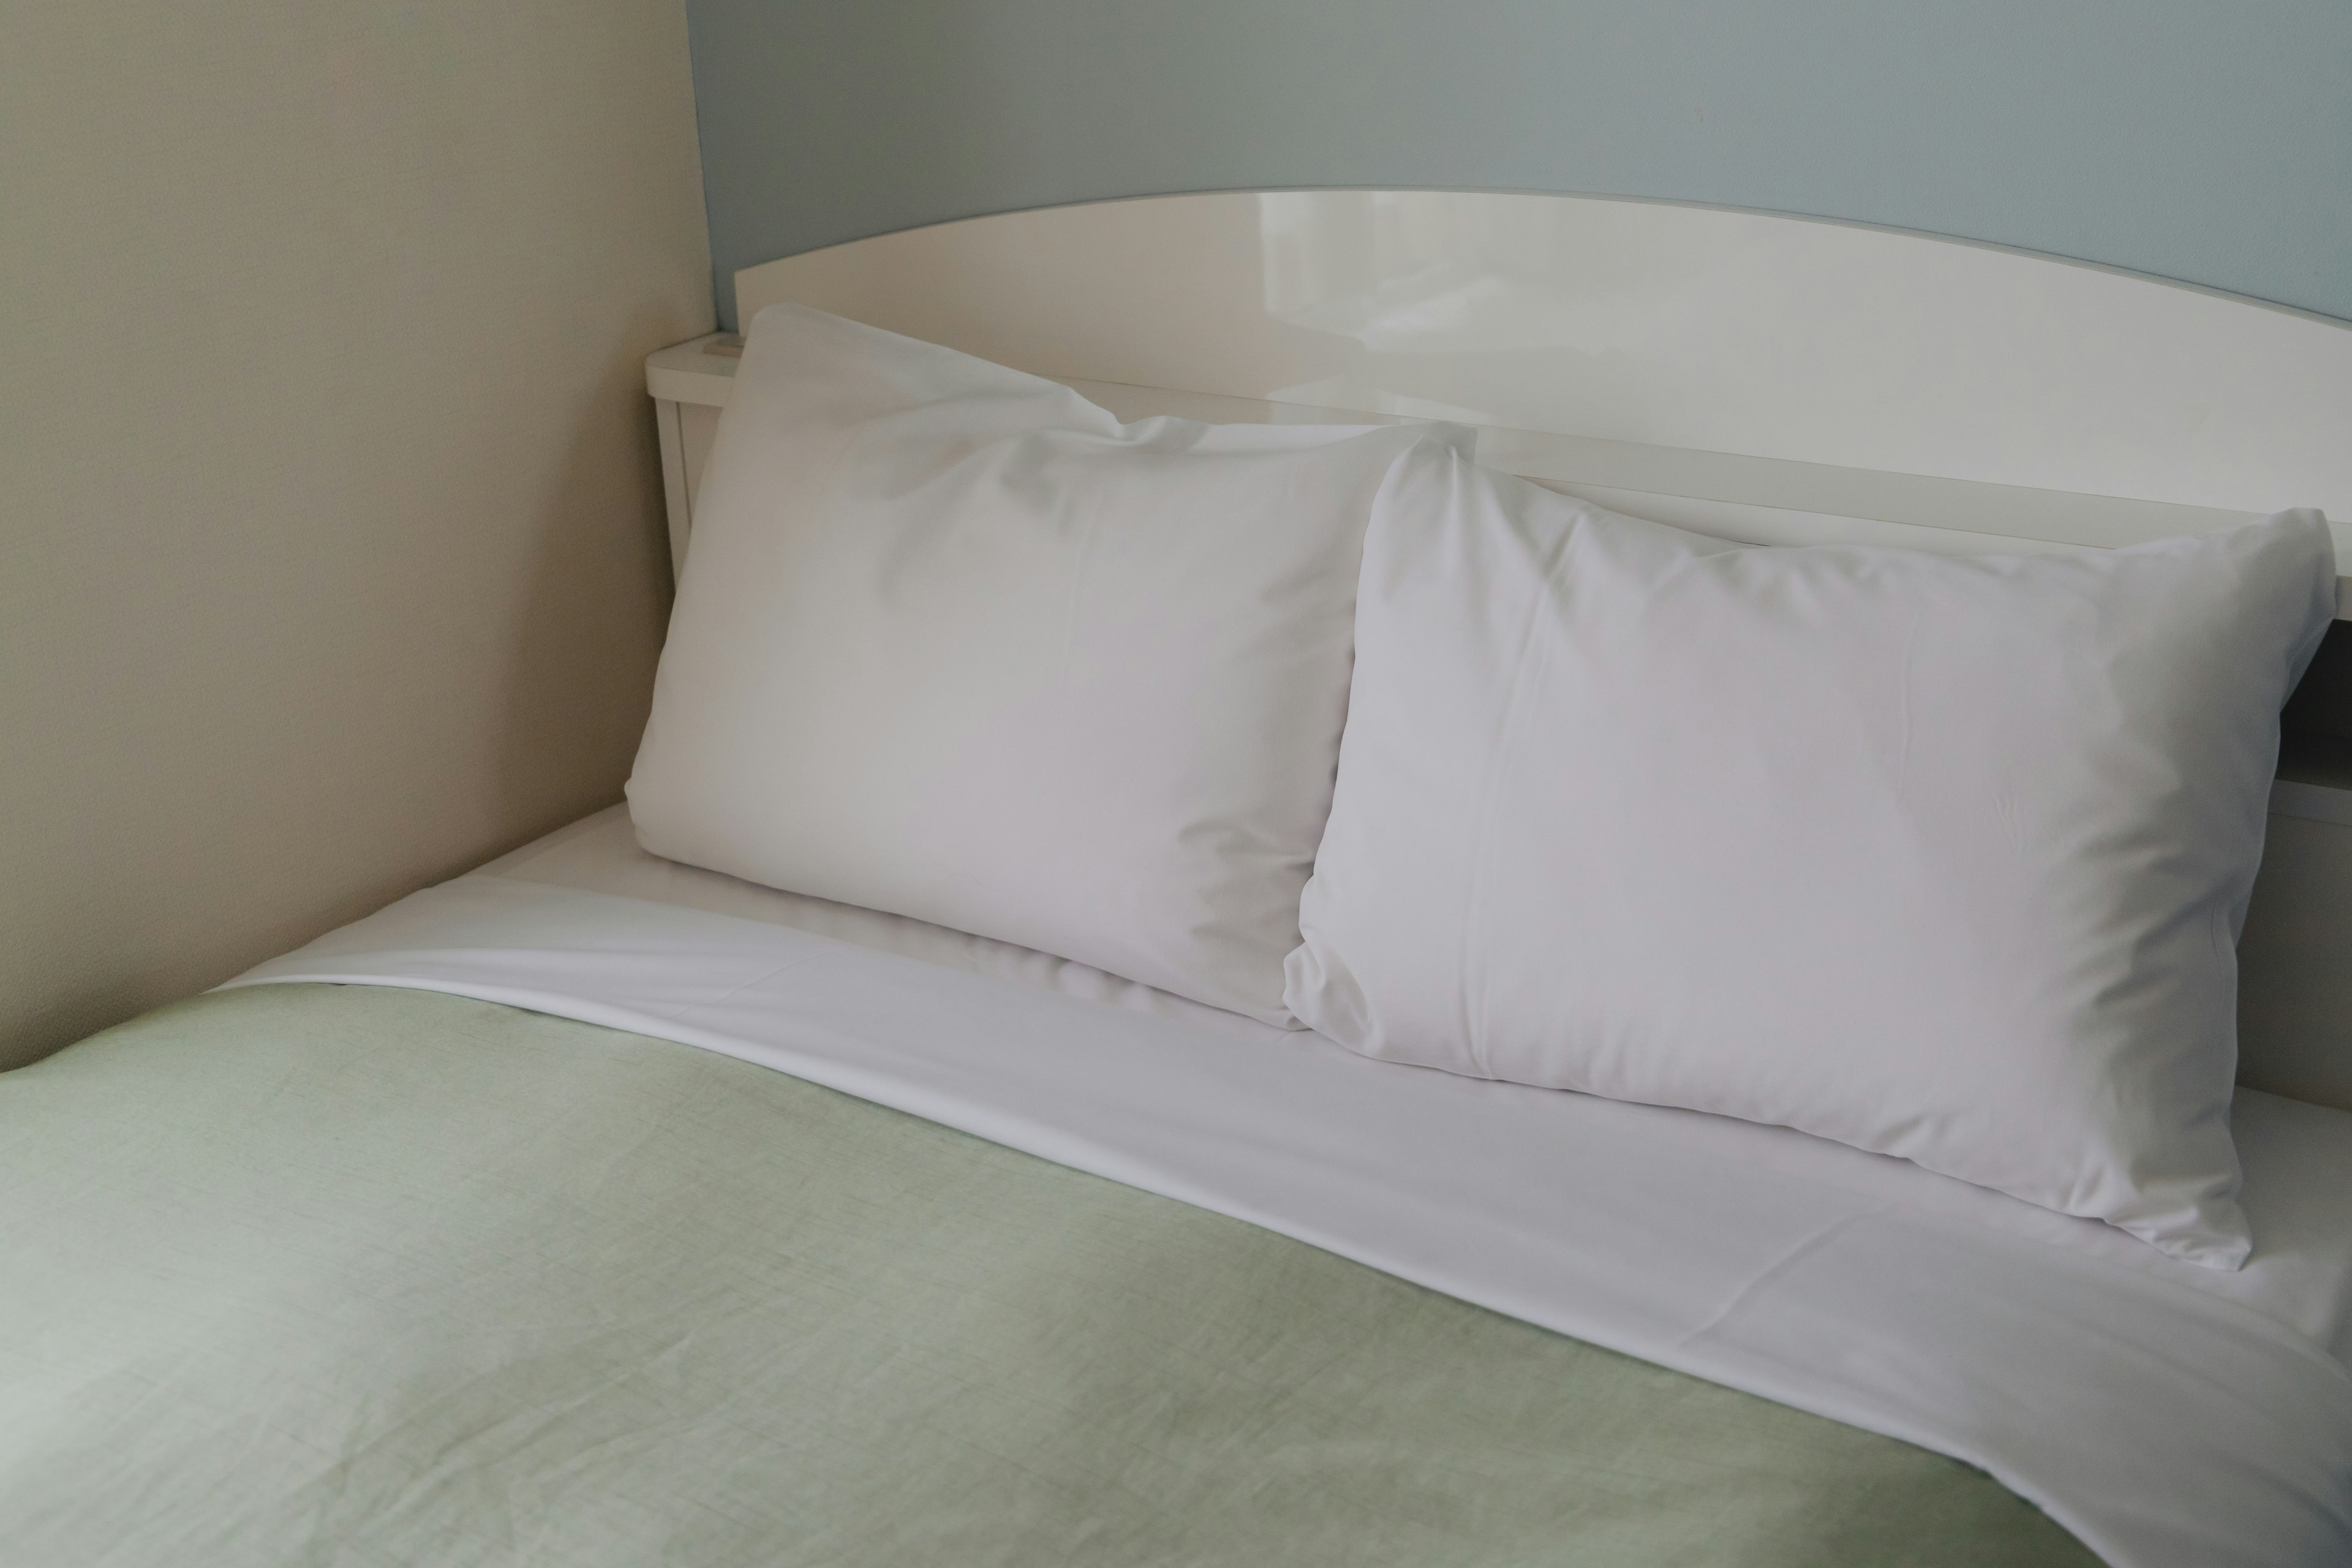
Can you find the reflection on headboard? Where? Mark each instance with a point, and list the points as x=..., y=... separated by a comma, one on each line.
x=1766, y=379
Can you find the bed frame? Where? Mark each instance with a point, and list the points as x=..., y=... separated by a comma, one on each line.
x=1768, y=379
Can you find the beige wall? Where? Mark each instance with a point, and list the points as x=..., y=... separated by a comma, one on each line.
x=330, y=553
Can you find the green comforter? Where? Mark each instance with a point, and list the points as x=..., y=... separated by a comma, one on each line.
x=328, y=1275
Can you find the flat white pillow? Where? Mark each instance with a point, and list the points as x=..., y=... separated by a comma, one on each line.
x=953, y=643
x=1939, y=856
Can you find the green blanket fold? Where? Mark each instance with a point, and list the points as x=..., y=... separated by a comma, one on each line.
x=338, y=1275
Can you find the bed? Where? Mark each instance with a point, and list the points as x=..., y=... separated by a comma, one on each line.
x=593, y=1207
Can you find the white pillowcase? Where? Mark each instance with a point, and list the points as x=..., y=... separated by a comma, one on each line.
x=1939, y=856
x=953, y=643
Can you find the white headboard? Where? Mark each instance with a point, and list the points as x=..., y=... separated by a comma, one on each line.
x=1767, y=379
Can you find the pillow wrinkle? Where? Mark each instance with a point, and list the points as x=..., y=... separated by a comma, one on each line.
x=1504, y=761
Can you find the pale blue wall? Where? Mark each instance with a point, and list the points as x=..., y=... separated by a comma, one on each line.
x=2203, y=140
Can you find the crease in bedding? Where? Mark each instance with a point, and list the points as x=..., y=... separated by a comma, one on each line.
x=2165, y=1423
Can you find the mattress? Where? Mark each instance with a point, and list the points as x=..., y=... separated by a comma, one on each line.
x=2167, y=1415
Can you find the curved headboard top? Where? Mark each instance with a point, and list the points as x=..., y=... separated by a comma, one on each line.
x=1671, y=327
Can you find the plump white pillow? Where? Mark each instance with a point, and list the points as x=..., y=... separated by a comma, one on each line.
x=1943, y=858
x=953, y=643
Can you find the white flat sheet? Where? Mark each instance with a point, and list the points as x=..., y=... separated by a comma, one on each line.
x=2171, y=1417
x=2298, y=1157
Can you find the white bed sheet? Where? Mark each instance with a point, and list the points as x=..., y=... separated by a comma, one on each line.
x=2172, y=1417
x=2298, y=1157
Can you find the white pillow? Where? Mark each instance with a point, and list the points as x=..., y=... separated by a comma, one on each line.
x=1939, y=856
x=953, y=643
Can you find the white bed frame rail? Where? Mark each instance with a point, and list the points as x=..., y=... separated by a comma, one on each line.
x=1772, y=379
